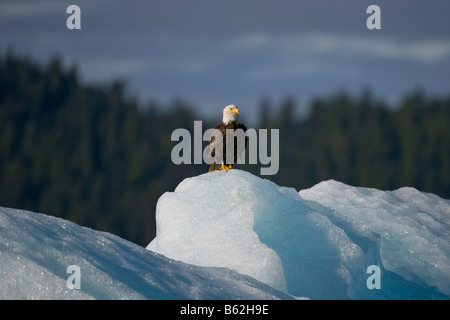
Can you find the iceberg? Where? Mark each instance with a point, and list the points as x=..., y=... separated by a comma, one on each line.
x=413, y=226
x=36, y=251
x=233, y=235
x=209, y=221
x=294, y=242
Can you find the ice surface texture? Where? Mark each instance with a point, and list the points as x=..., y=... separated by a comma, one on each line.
x=232, y=235
x=414, y=227
x=36, y=249
x=242, y=222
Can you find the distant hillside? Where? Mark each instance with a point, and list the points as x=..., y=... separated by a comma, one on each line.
x=365, y=142
x=93, y=155
x=84, y=153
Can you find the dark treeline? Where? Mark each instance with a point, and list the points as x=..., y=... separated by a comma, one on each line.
x=363, y=142
x=90, y=154
x=84, y=153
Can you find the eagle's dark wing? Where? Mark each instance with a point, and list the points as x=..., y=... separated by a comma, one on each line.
x=212, y=147
x=238, y=148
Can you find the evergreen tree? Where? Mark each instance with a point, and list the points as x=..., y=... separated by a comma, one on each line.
x=92, y=155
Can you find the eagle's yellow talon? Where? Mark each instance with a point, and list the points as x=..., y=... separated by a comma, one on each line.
x=226, y=167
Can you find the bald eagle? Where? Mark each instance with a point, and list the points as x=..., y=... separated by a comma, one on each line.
x=231, y=121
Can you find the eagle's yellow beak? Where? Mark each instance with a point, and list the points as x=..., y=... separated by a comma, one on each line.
x=235, y=110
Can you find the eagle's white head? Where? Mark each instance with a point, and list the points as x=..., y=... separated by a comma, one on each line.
x=230, y=114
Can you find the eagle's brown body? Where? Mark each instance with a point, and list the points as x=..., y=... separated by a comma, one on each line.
x=230, y=121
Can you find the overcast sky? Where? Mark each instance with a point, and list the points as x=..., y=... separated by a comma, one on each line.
x=216, y=52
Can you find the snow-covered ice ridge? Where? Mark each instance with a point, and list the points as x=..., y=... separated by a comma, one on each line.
x=413, y=227
x=232, y=235
x=37, y=249
x=316, y=243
